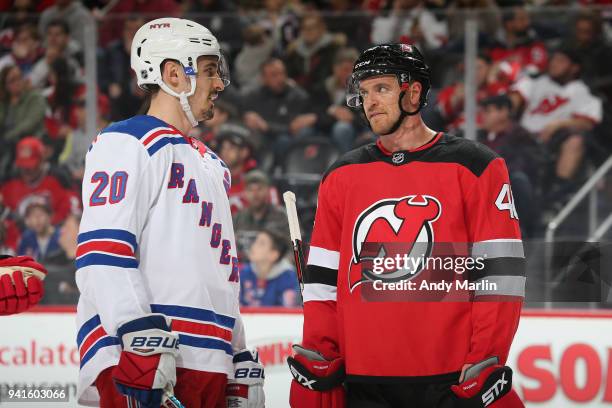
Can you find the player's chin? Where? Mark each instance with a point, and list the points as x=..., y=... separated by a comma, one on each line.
x=207, y=114
x=379, y=128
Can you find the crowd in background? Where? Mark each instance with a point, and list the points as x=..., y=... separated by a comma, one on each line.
x=543, y=77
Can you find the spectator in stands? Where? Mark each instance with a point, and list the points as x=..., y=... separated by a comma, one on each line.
x=261, y=210
x=520, y=150
x=487, y=17
x=21, y=12
x=61, y=99
x=559, y=108
x=257, y=49
x=77, y=142
x=36, y=179
x=279, y=109
x=348, y=17
x=309, y=58
x=40, y=237
x=7, y=247
x=588, y=42
x=74, y=13
x=22, y=113
x=117, y=78
x=518, y=42
x=60, y=283
x=235, y=148
x=112, y=19
x=329, y=98
x=269, y=279
x=410, y=22
x=57, y=45
x=222, y=18
x=25, y=49
x=490, y=81
x=280, y=19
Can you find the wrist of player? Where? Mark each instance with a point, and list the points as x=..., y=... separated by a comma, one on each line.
x=147, y=365
x=21, y=284
x=245, y=390
x=317, y=382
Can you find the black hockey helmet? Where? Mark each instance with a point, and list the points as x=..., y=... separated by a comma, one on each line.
x=402, y=60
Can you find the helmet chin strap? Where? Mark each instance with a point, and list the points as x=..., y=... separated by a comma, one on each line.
x=402, y=116
x=182, y=97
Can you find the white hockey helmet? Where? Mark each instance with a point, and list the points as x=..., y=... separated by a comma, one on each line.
x=176, y=39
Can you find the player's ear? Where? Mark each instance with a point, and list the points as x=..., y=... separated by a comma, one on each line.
x=171, y=74
x=415, y=93
x=412, y=96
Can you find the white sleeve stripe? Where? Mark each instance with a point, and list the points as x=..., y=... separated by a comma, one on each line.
x=323, y=257
x=319, y=291
x=498, y=248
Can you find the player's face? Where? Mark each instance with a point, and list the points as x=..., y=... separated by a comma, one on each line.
x=208, y=86
x=380, y=95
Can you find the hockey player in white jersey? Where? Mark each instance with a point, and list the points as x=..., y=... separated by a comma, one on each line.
x=158, y=315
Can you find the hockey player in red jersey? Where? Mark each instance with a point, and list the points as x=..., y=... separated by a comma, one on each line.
x=21, y=283
x=412, y=186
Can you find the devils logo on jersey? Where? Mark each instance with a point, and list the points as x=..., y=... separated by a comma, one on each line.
x=391, y=227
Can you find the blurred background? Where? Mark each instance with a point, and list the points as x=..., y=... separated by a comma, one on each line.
x=530, y=79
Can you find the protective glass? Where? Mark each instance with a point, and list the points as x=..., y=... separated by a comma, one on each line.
x=223, y=71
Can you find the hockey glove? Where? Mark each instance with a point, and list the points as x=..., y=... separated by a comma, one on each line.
x=487, y=384
x=147, y=366
x=317, y=382
x=246, y=389
x=21, y=284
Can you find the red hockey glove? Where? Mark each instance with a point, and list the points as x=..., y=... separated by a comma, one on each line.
x=246, y=389
x=487, y=384
x=147, y=366
x=20, y=283
x=317, y=382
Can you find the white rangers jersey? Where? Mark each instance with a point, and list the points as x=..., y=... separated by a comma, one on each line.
x=547, y=101
x=156, y=236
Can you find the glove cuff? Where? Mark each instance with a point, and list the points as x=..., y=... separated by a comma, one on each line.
x=148, y=335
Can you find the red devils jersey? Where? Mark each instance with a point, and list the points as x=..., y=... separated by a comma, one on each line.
x=450, y=190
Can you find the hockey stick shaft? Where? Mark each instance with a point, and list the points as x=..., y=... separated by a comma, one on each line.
x=296, y=236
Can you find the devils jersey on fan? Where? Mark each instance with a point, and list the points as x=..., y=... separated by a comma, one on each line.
x=450, y=190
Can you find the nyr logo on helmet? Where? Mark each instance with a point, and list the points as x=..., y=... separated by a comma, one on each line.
x=390, y=228
x=159, y=25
